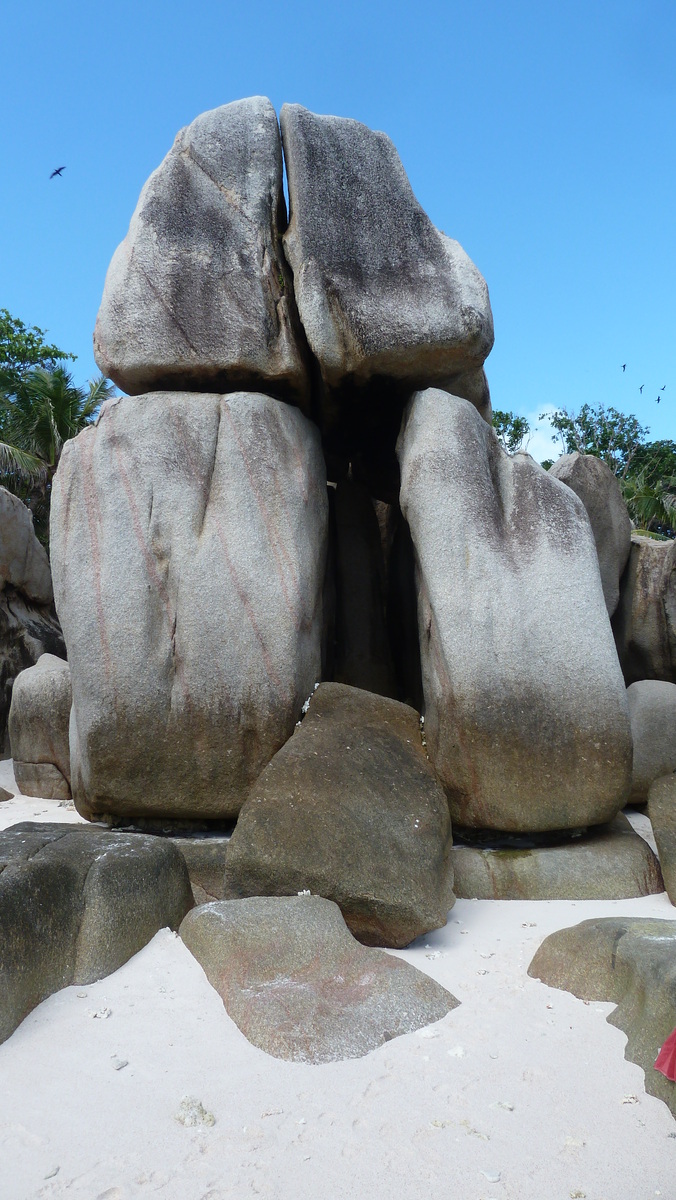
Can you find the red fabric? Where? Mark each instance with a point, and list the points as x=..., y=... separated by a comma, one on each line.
x=666, y=1059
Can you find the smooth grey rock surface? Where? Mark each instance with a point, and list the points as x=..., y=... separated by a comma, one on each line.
x=380, y=291
x=652, y=711
x=662, y=813
x=598, y=489
x=645, y=621
x=188, y=543
x=205, y=859
x=41, y=779
x=611, y=862
x=23, y=561
x=198, y=296
x=299, y=986
x=27, y=631
x=75, y=904
x=38, y=728
x=28, y=624
x=526, y=715
x=627, y=961
x=350, y=809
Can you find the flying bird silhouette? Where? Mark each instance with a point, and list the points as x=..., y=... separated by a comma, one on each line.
x=641, y=388
x=57, y=172
x=624, y=366
x=662, y=389
x=658, y=400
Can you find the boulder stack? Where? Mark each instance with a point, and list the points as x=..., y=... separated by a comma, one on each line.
x=206, y=583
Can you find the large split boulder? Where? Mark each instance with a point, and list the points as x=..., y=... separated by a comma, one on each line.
x=188, y=545
x=300, y=987
x=75, y=904
x=652, y=712
x=198, y=295
x=28, y=623
x=39, y=720
x=526, y=715
x=380, y=291
x=630, y=962
x=645, y=621
x=387, y=301
x=598, y=489
x=350, y=809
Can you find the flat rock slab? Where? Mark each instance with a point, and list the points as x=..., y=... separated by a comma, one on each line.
x=630, y=962
x=299, y=986
x=75, y=904
x=609, y=863
x=350, y=809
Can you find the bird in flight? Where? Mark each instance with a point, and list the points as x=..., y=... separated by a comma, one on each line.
x=662, y=389
x=57, y=172
x=641, y=388
x=658, y=400
x=624, y=366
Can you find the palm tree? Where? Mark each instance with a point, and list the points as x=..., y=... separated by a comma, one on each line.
x=38, y=414
x=651, y=502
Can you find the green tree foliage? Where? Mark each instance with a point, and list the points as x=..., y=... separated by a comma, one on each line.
x=24, y=346
x=512, y=431
x=656, y=459
x=651, y=502
x=646, y=470
x=603, y=432
x=40, y=409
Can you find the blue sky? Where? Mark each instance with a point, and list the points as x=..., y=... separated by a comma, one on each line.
x=540, y=134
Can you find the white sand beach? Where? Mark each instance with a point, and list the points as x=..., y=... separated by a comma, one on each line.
x=521, y=1093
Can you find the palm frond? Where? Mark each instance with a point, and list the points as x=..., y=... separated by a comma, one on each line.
x=14, y=461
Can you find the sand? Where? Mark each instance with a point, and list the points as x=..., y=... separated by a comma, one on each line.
x=521, y=1093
